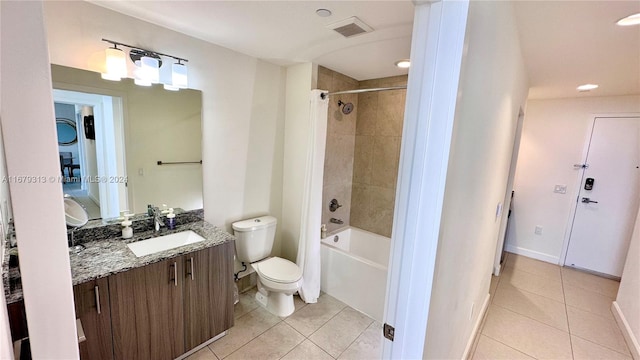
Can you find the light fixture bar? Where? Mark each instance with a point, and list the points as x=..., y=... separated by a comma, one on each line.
x=139, y=48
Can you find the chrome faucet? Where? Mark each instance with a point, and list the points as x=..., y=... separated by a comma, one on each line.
x=336, y=221
x=155, y=212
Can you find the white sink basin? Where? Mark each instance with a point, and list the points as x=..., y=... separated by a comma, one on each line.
x=162, y=243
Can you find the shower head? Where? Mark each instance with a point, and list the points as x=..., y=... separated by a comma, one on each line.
x=347, y=108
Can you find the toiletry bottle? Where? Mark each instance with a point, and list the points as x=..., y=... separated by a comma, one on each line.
x=323, y=231
x=127, y=230
x=171, y=219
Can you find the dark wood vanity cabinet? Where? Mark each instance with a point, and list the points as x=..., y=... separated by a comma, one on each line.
x=92, y=308
x=165, y=309
x=208, y=293
x=146, y=310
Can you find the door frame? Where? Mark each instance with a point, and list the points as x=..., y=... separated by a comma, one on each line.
x=578, y=179
x=437, y=50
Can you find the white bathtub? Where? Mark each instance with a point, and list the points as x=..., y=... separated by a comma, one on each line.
x=354, y=269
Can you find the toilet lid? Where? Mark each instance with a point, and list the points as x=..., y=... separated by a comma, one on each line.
x=279, y=270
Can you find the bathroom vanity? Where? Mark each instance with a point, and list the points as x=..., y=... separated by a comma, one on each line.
x=156, y=306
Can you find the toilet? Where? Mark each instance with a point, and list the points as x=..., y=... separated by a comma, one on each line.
x=278, y=278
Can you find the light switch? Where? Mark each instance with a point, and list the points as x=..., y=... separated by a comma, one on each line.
x=560, y=189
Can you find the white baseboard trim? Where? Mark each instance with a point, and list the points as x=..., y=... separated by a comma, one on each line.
x=496, y=270
x=476, y=329
x=532, y=254
x=629, y=337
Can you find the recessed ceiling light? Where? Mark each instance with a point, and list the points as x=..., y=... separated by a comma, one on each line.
x=587, y=87
x=630, y=20
x=403, y=64
x=323, y=12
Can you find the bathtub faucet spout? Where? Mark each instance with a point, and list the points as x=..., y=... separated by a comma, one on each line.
x=336, y=221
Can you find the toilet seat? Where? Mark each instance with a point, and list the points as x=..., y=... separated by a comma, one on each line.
x=279, y=270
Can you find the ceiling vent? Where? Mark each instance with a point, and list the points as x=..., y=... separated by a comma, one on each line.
x=350, y=27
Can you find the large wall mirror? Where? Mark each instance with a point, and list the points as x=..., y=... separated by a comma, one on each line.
x=133, y=145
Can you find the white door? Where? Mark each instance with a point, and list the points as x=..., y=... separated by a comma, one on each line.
x=605, y=214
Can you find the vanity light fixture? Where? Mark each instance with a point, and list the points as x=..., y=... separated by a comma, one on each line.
x=148, y=64
x=116, y=67
x=587, y=87
x=629, y=20
x=403, y=64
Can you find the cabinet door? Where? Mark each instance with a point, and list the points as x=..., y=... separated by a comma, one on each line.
x=208, y=293
x=92, y=308
x=146, y=311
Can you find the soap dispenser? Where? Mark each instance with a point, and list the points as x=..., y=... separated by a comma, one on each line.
x=127, y=230
x=171, y=219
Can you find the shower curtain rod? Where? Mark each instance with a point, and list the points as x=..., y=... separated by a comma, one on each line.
x=357, y=91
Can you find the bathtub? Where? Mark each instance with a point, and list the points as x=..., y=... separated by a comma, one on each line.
x=354, y=269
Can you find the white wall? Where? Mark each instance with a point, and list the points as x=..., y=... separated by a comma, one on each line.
x=493, y=87
x=31, y=150
x=297, y=118
x=553, y=139
x=6, y=348
x=228, y=81
x=628, y=299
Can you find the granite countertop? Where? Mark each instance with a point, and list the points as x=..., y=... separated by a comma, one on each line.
x=106, y=253
x=106, y=257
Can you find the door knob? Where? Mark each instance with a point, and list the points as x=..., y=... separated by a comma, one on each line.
x=586, y=200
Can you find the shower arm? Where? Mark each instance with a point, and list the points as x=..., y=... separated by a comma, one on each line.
x=358, y=91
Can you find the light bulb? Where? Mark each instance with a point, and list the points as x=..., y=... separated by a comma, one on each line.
x=179, y=75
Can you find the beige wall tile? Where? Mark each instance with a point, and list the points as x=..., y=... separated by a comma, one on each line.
x=367, y=113
x=337, y=334
x=363, y=159
x=390, y=113
x=342, y=193
x=586, y=350
x=380, y=211
x=338, y=165
x=600, y=330
x=527, y=335
x=489, y=349
x=361, y=202
x=384, y=167
x=273, y=344
x=537, y=307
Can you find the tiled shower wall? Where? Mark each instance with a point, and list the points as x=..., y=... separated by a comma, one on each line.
x=339, y=153
x=362, y=152
x=377, y=153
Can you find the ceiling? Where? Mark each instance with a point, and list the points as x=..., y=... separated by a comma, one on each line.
x=570, y=43
x=288, y=32
x=564, y=43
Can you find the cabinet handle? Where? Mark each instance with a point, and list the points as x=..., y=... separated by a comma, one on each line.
x=191, y=267
x=96, y=290
x=175, y=273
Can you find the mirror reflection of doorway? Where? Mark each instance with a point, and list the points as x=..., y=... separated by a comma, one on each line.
x=95, y=155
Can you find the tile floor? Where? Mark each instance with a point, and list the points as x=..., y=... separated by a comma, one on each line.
x=328, y=329
x=542, y=311
x=538, y=311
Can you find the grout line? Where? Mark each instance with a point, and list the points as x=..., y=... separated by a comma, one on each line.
x=536, y=320
x=606, y=347
x=566, y=313
x=509, y=346
x=356, y=339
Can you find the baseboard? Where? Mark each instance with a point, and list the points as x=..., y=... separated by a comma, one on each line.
x=496, y=270
x=629, y=337
x=532, y=254
x=476, y=329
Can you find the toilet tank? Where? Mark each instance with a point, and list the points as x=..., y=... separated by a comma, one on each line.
x=254, y=238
